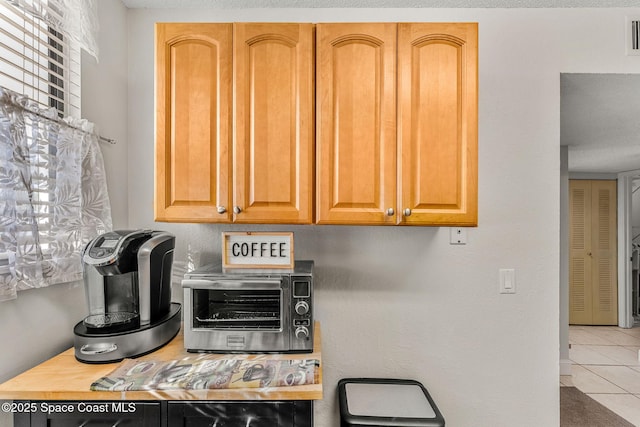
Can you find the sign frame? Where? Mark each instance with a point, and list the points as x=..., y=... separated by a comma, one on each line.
x=245, y=239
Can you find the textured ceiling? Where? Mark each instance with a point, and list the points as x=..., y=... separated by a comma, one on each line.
x=249, y=4
x=600, y=121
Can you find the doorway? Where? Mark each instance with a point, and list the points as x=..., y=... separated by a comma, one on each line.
x=599, y=130
x=599, y=140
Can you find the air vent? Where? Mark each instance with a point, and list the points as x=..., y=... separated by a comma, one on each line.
x=632, y=34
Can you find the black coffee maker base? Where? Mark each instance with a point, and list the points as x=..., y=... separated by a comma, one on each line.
x=113, y=347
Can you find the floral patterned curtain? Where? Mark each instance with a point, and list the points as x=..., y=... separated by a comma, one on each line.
x=53, y=195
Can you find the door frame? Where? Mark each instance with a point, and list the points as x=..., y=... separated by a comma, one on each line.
x=625, y=183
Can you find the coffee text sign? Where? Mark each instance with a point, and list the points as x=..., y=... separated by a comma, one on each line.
x=257, y=250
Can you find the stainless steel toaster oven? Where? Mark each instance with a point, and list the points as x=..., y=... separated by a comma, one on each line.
x=249, y=311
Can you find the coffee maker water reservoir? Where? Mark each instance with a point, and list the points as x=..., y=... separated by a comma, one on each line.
x=127, y=276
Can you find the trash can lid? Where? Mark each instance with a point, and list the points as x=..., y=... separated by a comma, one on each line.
x=388, y=400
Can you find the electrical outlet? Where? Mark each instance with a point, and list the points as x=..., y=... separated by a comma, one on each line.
x=458, y=236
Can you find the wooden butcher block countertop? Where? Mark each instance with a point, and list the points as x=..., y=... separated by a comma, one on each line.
x=64, y=378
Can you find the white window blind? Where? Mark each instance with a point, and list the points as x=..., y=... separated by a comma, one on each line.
x=36, y=60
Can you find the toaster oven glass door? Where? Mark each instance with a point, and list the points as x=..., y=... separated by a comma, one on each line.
x=246, y=308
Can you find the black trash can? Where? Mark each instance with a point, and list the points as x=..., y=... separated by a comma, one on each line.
x=381, y=402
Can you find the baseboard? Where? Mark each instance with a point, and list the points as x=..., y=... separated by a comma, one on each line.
x=565, y=367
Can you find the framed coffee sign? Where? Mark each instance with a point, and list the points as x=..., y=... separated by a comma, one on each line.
x=248, y=249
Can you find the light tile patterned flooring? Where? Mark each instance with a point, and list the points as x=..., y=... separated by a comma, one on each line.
x=606, y=366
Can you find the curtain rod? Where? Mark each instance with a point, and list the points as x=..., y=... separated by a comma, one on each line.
x=62, y=122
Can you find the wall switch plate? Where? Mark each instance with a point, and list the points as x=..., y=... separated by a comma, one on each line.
x=458, y=236
x=507, y=281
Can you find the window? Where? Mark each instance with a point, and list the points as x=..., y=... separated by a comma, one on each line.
x=41, y=63
x=38, y=61
x=52, y=180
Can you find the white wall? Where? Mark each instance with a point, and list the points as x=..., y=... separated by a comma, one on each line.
x=104, y=94
x=399, y=301
x=39, y=323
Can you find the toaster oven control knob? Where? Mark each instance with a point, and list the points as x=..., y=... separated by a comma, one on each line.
x=302, y=307
x=302, y=333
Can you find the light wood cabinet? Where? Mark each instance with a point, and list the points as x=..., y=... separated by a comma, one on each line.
x=438, y=123
x=356, y=119
x=274, y=133
x=269, y=133
x=414, y=162
x=392, y=134
x=193, y=122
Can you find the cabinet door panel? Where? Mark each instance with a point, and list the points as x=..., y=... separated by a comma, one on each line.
x=605, y=252
x=273, y=169
x=437, y=118
x=580, y=266
x=107, y=414
x=296, y=413
x=356, y=154
x=193, y=99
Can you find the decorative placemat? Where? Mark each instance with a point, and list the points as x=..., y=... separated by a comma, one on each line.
x=203, y=372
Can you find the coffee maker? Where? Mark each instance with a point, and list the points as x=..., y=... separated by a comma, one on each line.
x=127, y=278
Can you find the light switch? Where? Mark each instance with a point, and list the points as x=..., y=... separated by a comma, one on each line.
x=507, y=281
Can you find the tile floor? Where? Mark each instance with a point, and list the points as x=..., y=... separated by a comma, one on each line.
x=606, y=366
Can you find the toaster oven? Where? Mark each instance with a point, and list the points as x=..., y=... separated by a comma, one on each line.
x=249, y=311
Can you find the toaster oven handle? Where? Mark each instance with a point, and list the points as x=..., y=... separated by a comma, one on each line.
x=227, y=284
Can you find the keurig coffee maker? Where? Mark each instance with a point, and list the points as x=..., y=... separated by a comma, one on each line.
x=127, y=278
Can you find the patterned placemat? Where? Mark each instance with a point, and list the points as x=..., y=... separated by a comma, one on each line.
x=202, y=373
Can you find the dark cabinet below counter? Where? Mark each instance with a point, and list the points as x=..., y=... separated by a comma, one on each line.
x=298, y=413
x=163, y=413
x=87, y=414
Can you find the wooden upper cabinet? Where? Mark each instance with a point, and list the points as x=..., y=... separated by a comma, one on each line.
x=438, y=123
x=414, y=162
x=356, y=123
x=269, y=134
x=384, y=120
x=193, y=118
x=274, y=123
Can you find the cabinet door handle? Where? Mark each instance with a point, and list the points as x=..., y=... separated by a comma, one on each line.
x=237, y=210
x=222, y=209
x=390, y=212
x=407, y=212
